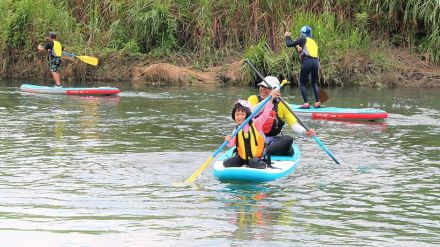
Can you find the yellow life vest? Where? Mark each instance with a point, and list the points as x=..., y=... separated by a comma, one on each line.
x=57, y=49
x=311, y=48
x=251, y=144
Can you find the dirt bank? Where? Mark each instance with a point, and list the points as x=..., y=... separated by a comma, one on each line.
x=353, y=68
x=172, y=74
x=399, y=68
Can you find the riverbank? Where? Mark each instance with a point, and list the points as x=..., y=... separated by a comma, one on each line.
x=169, y=42
x=400, y=68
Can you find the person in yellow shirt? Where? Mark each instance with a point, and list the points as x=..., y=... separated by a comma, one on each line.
x=309, y=63
x=277, y=144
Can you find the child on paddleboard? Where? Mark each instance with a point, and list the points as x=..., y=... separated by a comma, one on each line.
x=249, y=141
x=55, y=52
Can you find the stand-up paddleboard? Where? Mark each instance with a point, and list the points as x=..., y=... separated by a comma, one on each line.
x=282, y=166
x=337, y=113
x=70, y=90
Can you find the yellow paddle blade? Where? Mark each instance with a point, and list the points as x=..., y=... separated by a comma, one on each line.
x=89, y=60
x=199, y=171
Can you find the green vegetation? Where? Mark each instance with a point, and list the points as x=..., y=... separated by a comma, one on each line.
x=205, y=32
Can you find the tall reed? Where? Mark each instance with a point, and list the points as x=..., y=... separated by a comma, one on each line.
x=202, y=28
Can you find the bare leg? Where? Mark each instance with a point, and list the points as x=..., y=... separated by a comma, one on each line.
x=56, y=77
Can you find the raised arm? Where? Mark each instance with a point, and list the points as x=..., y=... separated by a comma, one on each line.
x=301, y=41
x=260, y=120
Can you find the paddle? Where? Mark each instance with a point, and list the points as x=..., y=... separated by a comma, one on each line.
x=299, y=120
x=86, y=59
x=208, y=161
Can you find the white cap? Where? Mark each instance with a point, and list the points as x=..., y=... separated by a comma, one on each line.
x=272, y=81
x=244, y=103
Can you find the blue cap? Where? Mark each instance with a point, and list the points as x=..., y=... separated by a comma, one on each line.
x=53, y=35
x=306, y=31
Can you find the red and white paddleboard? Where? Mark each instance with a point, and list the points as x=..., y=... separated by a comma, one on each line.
x=337, y=113
x=70, y=90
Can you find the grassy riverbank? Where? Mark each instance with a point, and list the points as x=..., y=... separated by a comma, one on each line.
x=358, y=42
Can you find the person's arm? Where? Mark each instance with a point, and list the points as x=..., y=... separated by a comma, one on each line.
x=290, y=119
x=47, y=46
x=231, y=141
x=298, y=129
x=261, y=119
x=301, y=42
x=40, y=48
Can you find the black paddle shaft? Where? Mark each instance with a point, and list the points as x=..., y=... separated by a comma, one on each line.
x=281, y=99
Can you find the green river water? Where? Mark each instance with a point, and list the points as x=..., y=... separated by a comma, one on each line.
x=101, y=171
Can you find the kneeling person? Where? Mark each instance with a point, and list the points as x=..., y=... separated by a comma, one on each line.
x=279, y=115
x=250, y=140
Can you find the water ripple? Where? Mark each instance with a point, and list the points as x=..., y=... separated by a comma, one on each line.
x=86, y=171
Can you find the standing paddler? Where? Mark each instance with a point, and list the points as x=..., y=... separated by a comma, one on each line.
x=55, y=52
x=309, y=63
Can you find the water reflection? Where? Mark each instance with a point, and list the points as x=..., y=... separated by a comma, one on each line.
x=253, y=213
x=89, y=119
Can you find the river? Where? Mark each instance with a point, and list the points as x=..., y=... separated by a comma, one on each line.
x=102, y=171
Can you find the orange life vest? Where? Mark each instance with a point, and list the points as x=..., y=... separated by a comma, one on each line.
x=251, y=144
